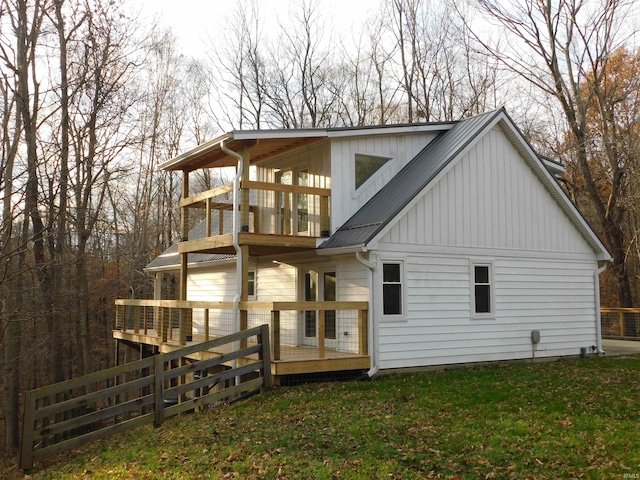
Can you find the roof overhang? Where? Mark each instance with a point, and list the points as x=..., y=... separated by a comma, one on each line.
x=266, y=144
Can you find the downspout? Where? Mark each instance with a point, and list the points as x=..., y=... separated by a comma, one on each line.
x=596, y=283
x=236, y=244
x=373, y=332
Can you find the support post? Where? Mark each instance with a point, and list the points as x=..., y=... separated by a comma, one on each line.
x=321, y=352
x=275, y=333
x=363, y=334
x=184, y=233
x=621, y=323
x=265, y=356
x=244, y=315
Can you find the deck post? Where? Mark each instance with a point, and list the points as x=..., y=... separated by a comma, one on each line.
x=206, y=324
x=275, y=332
x=325, y=227
x=207, y=217
x=321, y=352
x=244, y=314
x=184, y=234
x=165, y=323
x=363, y=334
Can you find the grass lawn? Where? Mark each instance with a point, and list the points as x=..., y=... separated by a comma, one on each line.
x=565, y=419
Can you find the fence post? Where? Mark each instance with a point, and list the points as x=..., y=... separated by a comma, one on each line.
x=265, y=356
x=26, y=450
x=621, y=323
x=159, y=390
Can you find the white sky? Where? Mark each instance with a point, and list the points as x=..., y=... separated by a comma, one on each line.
x=193, y=21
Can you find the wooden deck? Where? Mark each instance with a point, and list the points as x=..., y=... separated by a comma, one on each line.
x=294, y=359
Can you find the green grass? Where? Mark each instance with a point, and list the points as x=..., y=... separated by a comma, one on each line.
x=566, y=419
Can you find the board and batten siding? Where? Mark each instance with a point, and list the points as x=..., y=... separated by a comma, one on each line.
x=345, y=200
x=489, y=199
x=489, y=206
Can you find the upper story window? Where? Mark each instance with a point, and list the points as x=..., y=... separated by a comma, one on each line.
x=366, y=166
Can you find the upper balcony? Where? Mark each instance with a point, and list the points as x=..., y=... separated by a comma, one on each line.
x=273, y=218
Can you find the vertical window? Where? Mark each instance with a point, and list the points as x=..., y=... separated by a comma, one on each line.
x=366, y=166
x=251, y=284
x=482, y=290
x=310, y=295
x=392, y=288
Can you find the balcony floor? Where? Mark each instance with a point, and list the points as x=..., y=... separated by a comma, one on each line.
x=295, y=359
x=258, y=243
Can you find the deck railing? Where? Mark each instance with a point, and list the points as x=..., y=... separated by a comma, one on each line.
x=620, y=322
x=266, y=208
x=298, y=329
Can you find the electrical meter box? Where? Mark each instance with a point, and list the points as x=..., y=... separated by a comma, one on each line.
x=535, y=336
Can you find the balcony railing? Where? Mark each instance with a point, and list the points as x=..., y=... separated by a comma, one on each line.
x=620, y=322
x=265, y=208
x=299, y=330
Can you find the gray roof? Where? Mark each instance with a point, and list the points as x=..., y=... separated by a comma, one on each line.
x=411, y=180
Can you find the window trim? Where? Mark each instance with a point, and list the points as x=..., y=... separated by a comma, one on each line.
x=482, y=262
x=401, y=317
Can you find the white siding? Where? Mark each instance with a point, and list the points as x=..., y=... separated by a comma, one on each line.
x=489, y=199
x=556, y=298
x=274, y=282
x=345, y=201
x=489, y=207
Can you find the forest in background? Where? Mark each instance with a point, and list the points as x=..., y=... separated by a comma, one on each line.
x=93, y=99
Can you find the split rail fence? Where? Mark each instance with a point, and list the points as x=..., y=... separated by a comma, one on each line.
x=69, y=414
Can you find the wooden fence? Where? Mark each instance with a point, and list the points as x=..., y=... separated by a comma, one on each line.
x=69, y=414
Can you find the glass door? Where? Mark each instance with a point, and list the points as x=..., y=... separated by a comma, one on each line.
x=319, y=287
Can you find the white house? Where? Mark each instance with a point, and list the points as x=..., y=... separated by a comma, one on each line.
x=454, y=238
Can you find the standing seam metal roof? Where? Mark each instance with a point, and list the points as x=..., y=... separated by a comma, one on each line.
x=409, y=182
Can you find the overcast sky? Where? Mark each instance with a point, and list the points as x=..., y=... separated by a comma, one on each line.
x=193, y=21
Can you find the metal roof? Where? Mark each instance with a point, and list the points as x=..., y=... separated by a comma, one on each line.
x=410, y=181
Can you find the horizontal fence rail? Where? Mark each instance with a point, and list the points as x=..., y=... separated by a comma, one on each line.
x=299, y=330
x=621, y=323
x=69, y=414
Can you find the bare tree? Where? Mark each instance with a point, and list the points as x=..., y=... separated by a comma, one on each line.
x=563, y=48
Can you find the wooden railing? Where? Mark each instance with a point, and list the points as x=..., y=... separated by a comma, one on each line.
x=620, y=322
x=69, y=414
x=217, y=201
x=173, y=321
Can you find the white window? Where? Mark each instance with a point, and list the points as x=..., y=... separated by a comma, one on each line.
x=482, y=290
x=392, y=295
